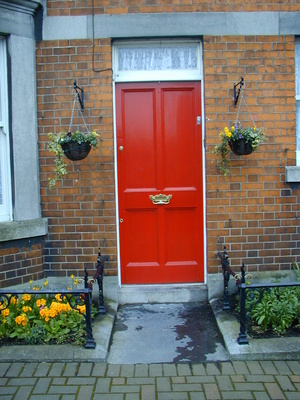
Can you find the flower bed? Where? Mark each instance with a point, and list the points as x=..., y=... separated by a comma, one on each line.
x=39, y=318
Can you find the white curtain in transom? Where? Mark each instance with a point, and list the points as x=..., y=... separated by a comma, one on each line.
x=157, y=60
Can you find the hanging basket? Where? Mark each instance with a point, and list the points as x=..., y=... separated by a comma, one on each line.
x=240, y=147
x=76, y=151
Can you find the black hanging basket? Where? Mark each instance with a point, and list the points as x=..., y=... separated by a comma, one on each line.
x=75, y=151
x=240, y=147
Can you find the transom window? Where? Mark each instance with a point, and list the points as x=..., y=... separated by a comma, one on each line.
x=157, y=60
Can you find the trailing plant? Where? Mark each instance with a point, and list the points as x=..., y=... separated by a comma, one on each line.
x=251, y=135
x=54, y=146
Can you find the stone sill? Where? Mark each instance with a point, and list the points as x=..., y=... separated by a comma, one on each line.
x=23, y=229
x=292, y=174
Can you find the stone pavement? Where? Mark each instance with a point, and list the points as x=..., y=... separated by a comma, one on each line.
x=257, y=380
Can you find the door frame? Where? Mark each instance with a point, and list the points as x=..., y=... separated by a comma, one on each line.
x=149, y=76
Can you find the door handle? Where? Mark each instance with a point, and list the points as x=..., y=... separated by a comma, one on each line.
x=160, y=198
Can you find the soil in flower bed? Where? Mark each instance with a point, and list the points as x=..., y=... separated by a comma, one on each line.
x=255, y=331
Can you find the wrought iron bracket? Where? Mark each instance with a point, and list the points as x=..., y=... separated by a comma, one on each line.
x=80, y=95
x=236, y=94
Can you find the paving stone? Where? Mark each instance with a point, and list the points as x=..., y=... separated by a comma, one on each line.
x=42, y=386
x=22, y=382
x=285, y=383
x=141, y=381
x=212, y=369
x=294, y=366
x=108, y=396
x=71, y=369
x=63, y=389
x=99, y=369
x=292, y=396
x=211, y=391
x=103, y=385
x=254, y=367
x=29, y=369
x=240, y=367
x=184, y=369
x=178, y=379
x=201, y=379
x=198, y=369
x=59, y=381
x=282, y=368
x=148, y=392
x=163, y=384
x=226, y=368
x=268, y=367
x=56, y=369
x=155, y=370
x=113, y=370
x=127, y=371
x=141, y=370
x=224, y=383
x=237, y=396
x=172, y=396
x=125, y=389
x=8, y=390
x=132, y=396
x=68, y=397
x=197, y=396
x=169, y=370
x=85, y=369
x=45, y=397
x=248, y=386
x=42, y=369
x=260, y=378
x=85, y=392
x=15, y=370
x=188, y=387
x=4, y=367
x=118, y=381
x=81, y=381
x=261, y=396
x=274, y=391
x=23, y=393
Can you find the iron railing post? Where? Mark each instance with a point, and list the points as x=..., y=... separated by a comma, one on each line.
x=242, y=338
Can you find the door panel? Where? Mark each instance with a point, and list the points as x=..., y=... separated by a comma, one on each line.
x=160, y=153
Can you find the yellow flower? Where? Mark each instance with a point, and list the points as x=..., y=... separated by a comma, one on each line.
x=5, y=313
x=76, y=282
x=72, y=276
x=58, y=297
x=26, y=297
x=40, y=303
x=46, y=283
x=30, y=281
x=228, y=134
x=95, y=133
x=220, y=135
x=232, y=128
x=21, y=320
x=26, y=309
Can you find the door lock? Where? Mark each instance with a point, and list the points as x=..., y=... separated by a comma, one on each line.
x=198, y=120
x=121, y=148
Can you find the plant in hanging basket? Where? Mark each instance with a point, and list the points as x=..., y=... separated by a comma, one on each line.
x=241, y=141
x=75, y=146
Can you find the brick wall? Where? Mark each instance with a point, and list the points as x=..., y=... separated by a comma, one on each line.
x=21, y=260
x=253, y=211
x=84, y=7
x=82, y=215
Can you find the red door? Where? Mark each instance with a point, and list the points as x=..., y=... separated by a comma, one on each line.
x=160, y=192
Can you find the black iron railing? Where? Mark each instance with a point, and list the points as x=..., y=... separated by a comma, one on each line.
x=74, y=298
x=249, y=294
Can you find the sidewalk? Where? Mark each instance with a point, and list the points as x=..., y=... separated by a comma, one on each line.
x=257, y=380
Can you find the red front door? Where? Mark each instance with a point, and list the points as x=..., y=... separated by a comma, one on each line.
x=159, y=150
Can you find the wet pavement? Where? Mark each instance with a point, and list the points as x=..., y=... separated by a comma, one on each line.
x=166, y=333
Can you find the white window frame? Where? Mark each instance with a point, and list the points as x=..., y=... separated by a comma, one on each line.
x=297, y=77
x=157, y=75
x=5, y=205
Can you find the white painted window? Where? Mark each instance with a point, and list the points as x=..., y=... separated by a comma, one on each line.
x=157, y=60
x=5, y=179
x=297, y=69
